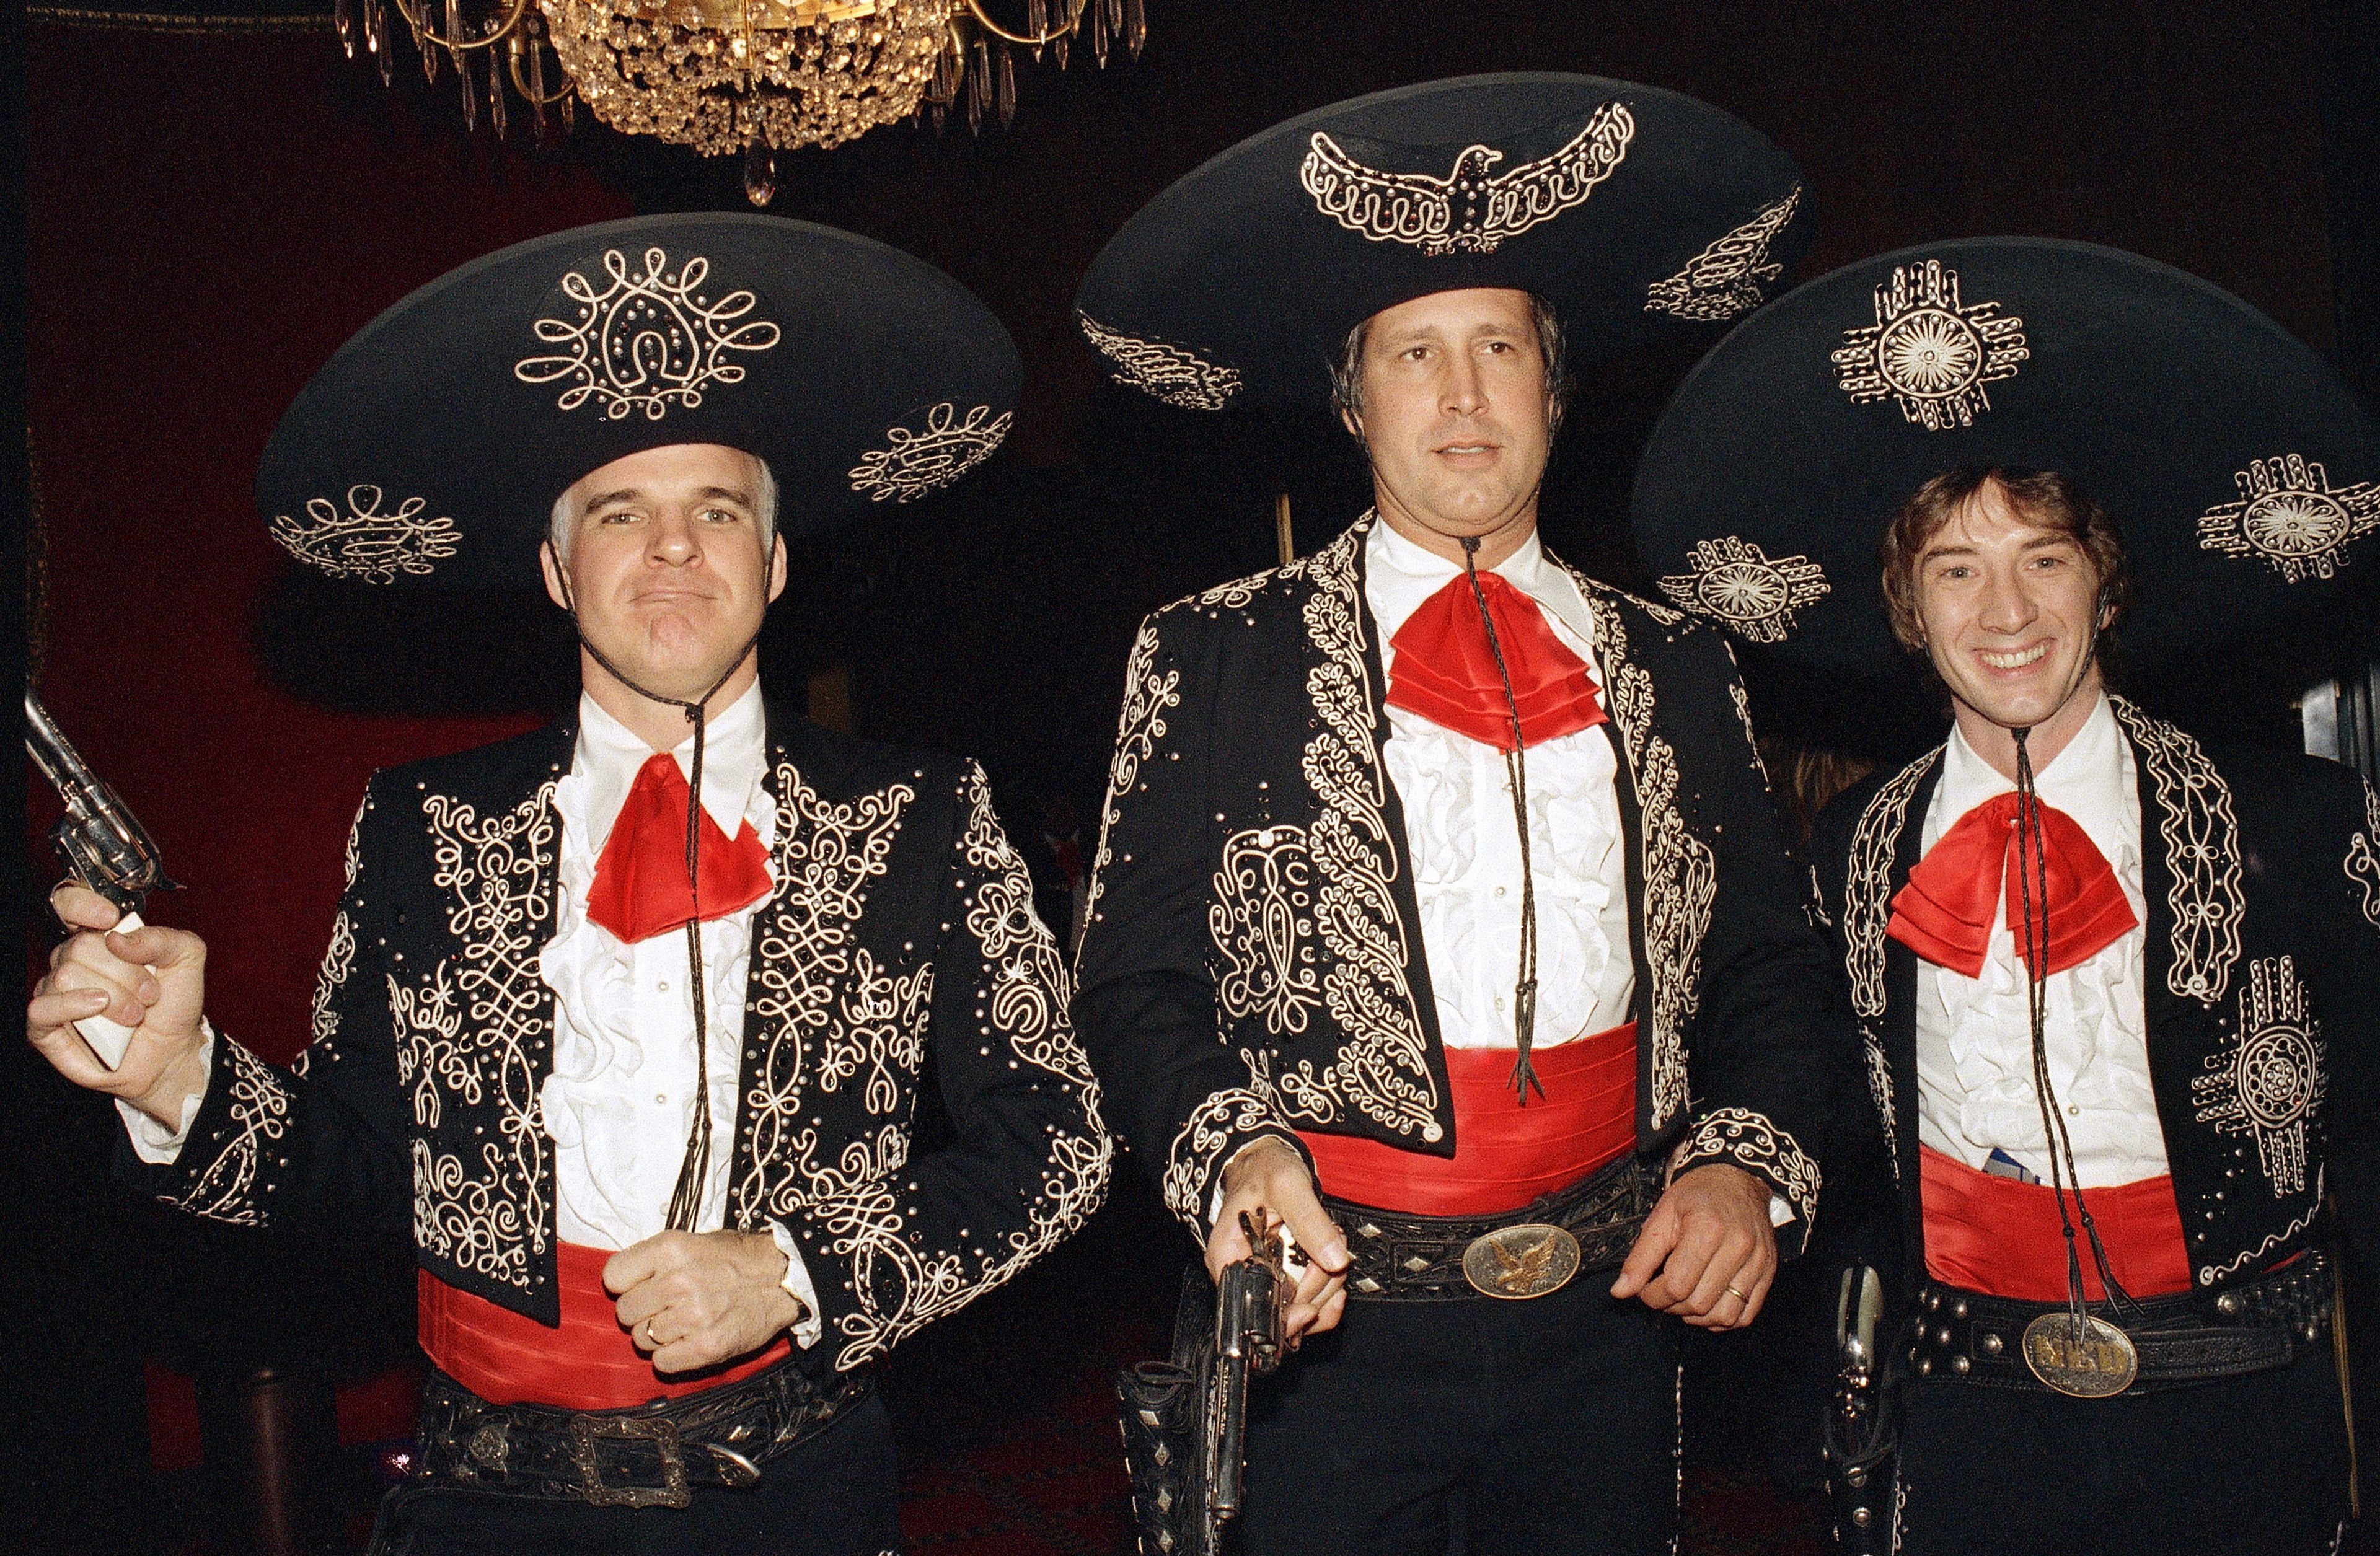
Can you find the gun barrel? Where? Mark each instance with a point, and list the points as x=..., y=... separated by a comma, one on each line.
x=50, y=750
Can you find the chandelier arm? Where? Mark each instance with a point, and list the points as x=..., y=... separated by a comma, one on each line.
x=983, y=19
x=521, y=85
x=415, y=16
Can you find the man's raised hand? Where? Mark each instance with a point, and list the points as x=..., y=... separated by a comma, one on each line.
x=152, y=982
x=1269, y=1179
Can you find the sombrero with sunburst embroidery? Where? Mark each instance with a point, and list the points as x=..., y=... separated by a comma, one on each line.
x=429, y=450
x=2241, y=471
x=1632, y=210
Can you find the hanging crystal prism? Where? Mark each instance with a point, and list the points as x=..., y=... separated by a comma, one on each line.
x=937, y=113
x=537, y=77
x=1135, y=26
x=375, y=27
x=569, y=111
x=496, y=91
x=429, y=56
x=1097, y=15
x=978, y=84
x=453, y=41
x=471, y=92
x=1057, y=46
x=760, y=171
x=1005, y=83
x=343, y=19
x=1037, y=22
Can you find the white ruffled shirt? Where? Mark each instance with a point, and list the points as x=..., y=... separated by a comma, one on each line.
x=624, y=1018
x=620, y=1102
x=1974, y=1045
x=1465, y=847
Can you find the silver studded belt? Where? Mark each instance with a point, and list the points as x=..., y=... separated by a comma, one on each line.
x=1524, y=1253
x=2254, y=1326
x=650, y=1456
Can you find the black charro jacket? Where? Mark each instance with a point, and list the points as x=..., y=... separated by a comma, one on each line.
x=902, y=917
x=1253, y=965
x=2262, y=872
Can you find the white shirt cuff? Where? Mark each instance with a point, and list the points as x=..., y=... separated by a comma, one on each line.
x=1780, y=1210
x=808, y=1327
x=151, y=1141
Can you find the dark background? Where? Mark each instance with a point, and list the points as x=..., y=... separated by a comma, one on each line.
x=212, y=214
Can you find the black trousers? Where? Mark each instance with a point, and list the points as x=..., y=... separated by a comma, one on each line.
x=1548, y=1426
x=834, y=1495
x=2244, y=1466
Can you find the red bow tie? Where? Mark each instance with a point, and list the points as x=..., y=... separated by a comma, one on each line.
x=1445, y=671
x=640, y=887
x=1945, y=913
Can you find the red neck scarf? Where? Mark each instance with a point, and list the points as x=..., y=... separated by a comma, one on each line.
x=1945, y=913
x=1445, y=671
x=640, y=887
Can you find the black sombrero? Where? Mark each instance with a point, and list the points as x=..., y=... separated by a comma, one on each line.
x=431, y=447
x=1626, y=207
x=2240, y=468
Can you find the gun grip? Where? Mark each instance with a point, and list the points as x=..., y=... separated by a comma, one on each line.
x=106, y=1038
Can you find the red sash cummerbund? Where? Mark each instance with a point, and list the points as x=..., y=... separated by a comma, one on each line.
x=1505, y=1155
x=587, y=1364
x=2002, y=1237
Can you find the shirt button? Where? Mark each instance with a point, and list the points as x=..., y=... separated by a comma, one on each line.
x=2074, y=1110
x=661, y=1096
x=1499, y=891
x=662, y=985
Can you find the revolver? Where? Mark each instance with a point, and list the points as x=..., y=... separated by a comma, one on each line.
x=106, y=848
x=1251, y=1310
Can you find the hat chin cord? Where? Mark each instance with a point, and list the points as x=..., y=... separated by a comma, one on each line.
x=2033, y=880
x=685, y=1201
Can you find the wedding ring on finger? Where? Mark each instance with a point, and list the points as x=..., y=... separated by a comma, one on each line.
x=1739, y=1296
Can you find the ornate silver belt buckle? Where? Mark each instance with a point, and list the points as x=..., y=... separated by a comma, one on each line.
x=586, y=1430
x=1518, y=1262
x=2089, y=1361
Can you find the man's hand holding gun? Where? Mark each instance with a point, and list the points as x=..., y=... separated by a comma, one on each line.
x=149, y=983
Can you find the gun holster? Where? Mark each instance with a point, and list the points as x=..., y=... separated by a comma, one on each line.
x=1164, y=1406
x=1864, y=1456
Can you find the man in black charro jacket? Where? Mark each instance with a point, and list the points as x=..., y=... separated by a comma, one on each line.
x=1323, y=949
x=656, y=1269
x=2158, y=1052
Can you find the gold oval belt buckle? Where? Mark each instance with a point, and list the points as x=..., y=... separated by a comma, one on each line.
x=1517, y=1262
x=2089, y=1361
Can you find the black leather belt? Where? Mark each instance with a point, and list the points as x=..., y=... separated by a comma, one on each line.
x=651, y=1455
x=2189, y=1338
x=1401, y=1258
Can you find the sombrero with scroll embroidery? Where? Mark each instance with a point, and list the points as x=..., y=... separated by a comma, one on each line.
x=1632, y=210
x=2241, y=471
x=430, y=448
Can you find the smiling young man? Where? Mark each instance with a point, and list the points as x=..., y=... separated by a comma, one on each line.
x=2115, y=985
x=626, y=1018
x=1464, y=858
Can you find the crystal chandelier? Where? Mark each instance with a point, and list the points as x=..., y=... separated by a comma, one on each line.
x=723, y=76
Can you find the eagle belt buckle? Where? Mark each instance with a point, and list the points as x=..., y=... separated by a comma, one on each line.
x=1518, y=1262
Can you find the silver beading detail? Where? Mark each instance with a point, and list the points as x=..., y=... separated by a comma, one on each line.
x=1175, y=374
x=649, y=340
x=1733, y=582
x=1725, y=279
x=1928, y=352
x=1473, y=209
x=363, y=544
x=932, y=456
x=2289, y=516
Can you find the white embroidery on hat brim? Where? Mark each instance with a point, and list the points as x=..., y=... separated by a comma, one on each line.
x=932, y=457
x=648, y=341
x=363, y=544
x=1473, y=209
x=1928, y=352
x=1732, y=582
x=1175, y=374
x=1725, y=279
x=2290, y=516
